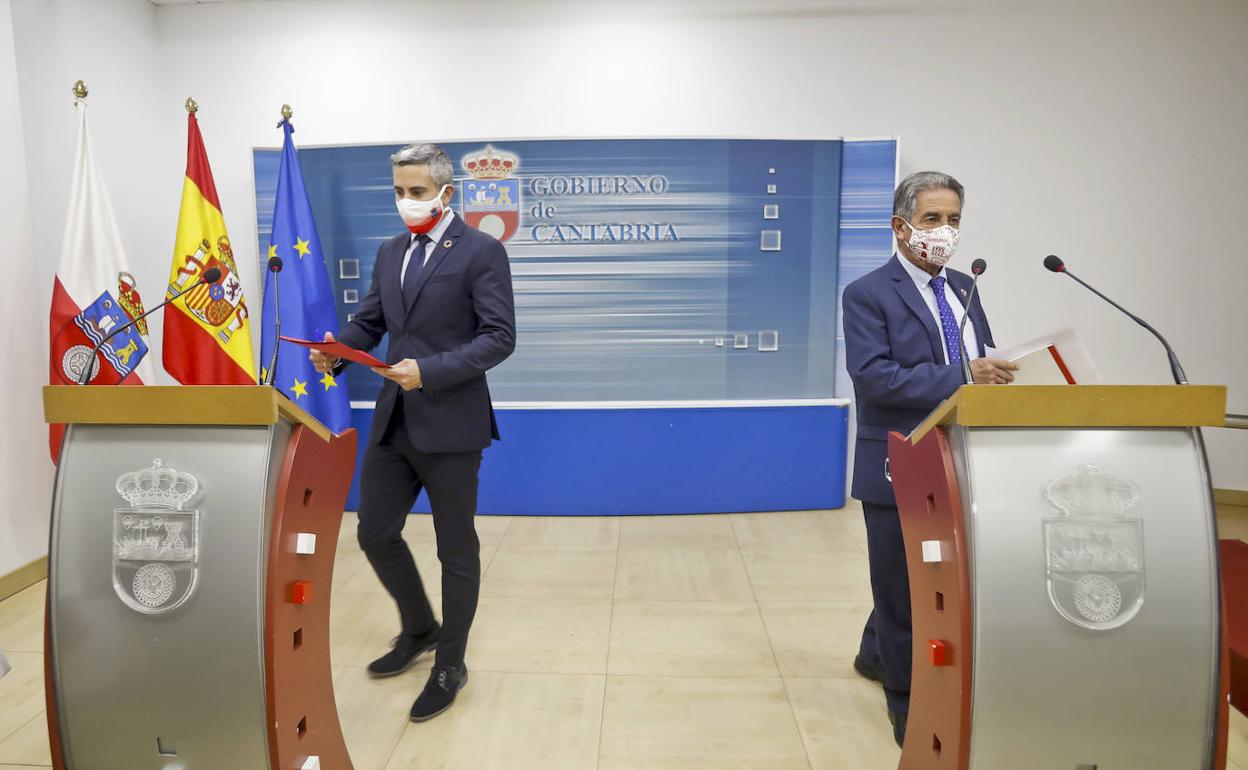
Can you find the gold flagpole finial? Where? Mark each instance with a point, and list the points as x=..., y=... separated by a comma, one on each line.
x=287, y=112
x=191, y=105
x=80, y=90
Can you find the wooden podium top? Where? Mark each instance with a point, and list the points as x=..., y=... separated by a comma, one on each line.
x=173, y=405
x=1080, y=406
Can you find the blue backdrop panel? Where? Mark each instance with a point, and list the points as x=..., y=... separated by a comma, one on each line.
x=868, y=176
x=652, y=270
x=644, y=269
x=620, y=462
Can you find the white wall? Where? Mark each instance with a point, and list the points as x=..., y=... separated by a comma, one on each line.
x=1071, y=124
x=112, y=46
x=25, y=468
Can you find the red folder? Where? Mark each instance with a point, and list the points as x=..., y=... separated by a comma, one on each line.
x=340, y=350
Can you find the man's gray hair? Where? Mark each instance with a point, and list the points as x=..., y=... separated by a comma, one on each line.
x=440, y=169
x=908, y=191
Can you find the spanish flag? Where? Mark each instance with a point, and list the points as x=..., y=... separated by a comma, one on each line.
x=208, y=331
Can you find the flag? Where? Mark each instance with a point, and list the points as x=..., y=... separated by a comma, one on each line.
x=93, y=291
x=306, y=299
x=207, y=332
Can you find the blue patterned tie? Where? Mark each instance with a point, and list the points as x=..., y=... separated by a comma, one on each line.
x=414, y=265
x=948, y=325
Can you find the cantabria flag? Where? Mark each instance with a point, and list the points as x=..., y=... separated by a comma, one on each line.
x=94, y=293
x=207, y=332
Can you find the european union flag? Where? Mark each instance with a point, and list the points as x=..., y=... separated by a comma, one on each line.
x=306, y=297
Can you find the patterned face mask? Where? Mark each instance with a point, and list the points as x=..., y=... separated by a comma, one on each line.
x=936, y=246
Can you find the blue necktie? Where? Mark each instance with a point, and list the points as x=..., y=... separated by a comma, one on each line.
x=948, y=325
x=414, y=265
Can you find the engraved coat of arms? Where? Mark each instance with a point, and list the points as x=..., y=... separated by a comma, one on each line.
x=1094, y=552
x=156, y=540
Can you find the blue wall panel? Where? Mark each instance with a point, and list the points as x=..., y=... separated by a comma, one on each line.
x=603, y=311
x=599, y=462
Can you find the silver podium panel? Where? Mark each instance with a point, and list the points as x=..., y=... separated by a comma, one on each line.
x=1096, y=604
x=156, y=595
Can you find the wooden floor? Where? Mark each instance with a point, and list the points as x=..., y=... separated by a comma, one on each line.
x=660, y=643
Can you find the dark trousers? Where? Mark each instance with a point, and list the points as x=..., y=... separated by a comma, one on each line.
x=886, y=639
x=393, y=475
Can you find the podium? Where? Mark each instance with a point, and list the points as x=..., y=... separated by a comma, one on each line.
x=1062, y=551
x=190, y=563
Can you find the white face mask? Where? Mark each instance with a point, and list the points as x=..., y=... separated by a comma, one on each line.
x=417, y=213
x=935, y=246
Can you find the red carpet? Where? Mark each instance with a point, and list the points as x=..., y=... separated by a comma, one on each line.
x=1235, y=589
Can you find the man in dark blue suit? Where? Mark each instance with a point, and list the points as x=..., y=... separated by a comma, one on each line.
x=903, y=355
x=443, y=293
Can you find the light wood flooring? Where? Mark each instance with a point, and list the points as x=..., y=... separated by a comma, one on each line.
x=641, y=643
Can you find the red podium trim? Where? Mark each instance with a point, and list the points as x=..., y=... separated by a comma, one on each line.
x=299, y=686
x=938, y=733
x=49, y=689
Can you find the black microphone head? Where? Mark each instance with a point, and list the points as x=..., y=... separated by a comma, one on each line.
x=211, y=275
x=1054, y=263
x=978, y=267
x=275, y=264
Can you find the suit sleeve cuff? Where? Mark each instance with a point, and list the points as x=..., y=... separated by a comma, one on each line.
x=432, y=375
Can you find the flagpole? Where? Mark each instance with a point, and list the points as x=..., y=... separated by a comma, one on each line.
x=80, y=90
x=275, y=269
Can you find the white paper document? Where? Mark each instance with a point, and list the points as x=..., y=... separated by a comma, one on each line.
x=1056, y=358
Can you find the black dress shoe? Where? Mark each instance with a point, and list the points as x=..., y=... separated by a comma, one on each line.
x=404, y=653
x=868, y=671
x=444, y=684
x=898, y=718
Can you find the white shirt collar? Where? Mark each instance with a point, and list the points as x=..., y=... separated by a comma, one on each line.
x=921, y=278
x=435, y=235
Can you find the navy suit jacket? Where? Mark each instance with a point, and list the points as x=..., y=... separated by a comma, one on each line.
x=895, y=356
x=461, y=324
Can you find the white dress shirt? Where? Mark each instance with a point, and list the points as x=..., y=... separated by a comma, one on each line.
x=922, y=280
x=435, y=236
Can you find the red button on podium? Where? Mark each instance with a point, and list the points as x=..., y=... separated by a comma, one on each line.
x=301, y=592
x=939, y=652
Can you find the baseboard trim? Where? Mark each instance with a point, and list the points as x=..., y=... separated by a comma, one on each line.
x=1231, y=497
x=23, y=577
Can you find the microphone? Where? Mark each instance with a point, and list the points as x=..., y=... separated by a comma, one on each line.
x=275, y=267
x=211, y=275
x=1054, y=264
x=977, y=269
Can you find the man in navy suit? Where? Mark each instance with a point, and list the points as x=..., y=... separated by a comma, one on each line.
x=443, y=293
x=902, y=352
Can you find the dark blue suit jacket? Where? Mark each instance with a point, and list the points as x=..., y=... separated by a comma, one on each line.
x=895, y=356
x=461, y=324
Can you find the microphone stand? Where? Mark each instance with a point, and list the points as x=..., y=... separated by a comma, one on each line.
x=275, y=267
x=967, y=377
x=977, y=267
x=1176, y=370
